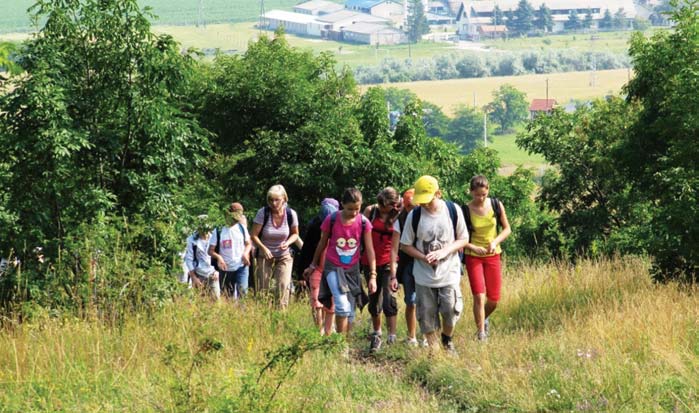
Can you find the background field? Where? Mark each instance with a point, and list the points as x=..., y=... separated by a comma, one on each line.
x=562, y=86
x=14, y=17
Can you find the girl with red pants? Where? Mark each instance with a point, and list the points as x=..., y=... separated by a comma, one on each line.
x=482, y=253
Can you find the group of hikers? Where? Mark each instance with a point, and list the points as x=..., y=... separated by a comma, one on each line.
x=415, y=239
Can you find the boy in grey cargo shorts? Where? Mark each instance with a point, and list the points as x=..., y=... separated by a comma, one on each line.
x=434, y=240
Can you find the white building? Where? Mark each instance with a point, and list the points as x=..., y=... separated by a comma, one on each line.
x=387, y=9
x=373, y=34
x=318, y=7
x=473, y=14
x=345, y=18
x=296, y=23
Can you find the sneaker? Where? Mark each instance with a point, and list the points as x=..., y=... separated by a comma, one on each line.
x=451, y=350
x=411, y=342
x=375, y=343
x=482, y=336
x=424, y=343
x=391, y=339
x=486, y=323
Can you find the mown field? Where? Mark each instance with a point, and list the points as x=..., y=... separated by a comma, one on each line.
x=180, y=12
x=561, y=86
x=594, y=336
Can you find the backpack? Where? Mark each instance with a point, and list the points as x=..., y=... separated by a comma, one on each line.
x=495, y=203
x=217, y=248
x=417, y=211
x=265, y=220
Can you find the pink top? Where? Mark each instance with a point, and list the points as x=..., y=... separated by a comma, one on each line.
x=345, y=240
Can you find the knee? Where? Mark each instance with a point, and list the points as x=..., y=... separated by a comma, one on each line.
x=479, y=300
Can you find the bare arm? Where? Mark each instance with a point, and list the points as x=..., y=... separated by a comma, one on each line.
x=255, y=236
x=371, y=258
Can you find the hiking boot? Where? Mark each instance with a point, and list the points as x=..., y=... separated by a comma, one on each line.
x=391, y=339
x=451, y=350
x=375, y=343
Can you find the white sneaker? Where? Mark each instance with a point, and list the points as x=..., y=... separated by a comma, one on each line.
x=391, y=339
x=486, y=323
x=411, y=342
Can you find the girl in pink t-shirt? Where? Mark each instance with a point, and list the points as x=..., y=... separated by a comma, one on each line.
x=343, y=233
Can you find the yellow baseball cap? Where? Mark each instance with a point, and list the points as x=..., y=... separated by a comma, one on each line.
x=425, y=188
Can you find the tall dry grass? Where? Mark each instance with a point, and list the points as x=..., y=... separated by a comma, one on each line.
x=592, y=336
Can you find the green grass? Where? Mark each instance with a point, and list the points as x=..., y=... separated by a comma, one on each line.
x=616, y=41
x=585, y=337
x=179, y=12
x=511, y=155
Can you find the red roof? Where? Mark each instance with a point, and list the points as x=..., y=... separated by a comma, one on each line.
x=542, y=105
x=486, y=28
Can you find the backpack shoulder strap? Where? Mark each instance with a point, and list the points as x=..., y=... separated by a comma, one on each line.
x=498, y=212
x=417, y=211
x=242, y=229
x=467, y=217
x=265, y=220
x=373, y=212
x=452, y=215
x=195, y=237
x=289, y=217
x=333, y=217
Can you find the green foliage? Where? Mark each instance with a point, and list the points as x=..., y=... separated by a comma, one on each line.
x=585, y=186
x=416, y=21
x=660, y=153
x=373, y=116
x=607, y=21
x=573, y=22
x=544, y=19
x=97, y=130
x=7, y=64
x=498, y=16
x=509, y=107
x=466, y=128
x=523, y=18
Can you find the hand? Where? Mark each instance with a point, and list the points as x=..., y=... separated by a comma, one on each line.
x=307, y=273
x=302, y=283
x=435, y=256
x=491, y=247
x=479, y=250
x=196, y=282
x=267, y=253
x=372, y=285
x=284, y=246
x=214, y=276
x=246, y=260
x=221, y=263
x=393, y=284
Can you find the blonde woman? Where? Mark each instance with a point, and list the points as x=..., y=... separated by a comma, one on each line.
x=274, y=229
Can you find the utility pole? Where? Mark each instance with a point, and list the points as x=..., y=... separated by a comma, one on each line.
x=263, y=22
x=200, y=18
x=474, y=99
x=485, y=129
x=547, y=91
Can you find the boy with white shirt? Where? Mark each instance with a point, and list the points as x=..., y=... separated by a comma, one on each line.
x=434, y=242
x=230, y=247
x=198, y=261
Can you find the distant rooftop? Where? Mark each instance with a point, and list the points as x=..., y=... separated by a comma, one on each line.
x=289, y=16
x=542, y=105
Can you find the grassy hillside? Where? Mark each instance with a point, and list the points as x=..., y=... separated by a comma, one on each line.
x=596, y=336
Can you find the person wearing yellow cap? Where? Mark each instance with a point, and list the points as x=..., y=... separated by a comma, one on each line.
x=434, y=233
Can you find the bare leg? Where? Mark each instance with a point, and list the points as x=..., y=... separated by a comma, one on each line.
x=376, y=322
x=479, y=311
x=342, y=324
x=411, y=320
x=329, y=317
x=490, y=307
x=392, y=322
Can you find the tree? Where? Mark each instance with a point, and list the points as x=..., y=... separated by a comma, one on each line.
x=98, y=124
x=7, y=64
x=509, y=106
x=373, y=116
x=417, y=21
x=466, y=129
x=544, y=20
x=573, y=22
x=620, y=20
x=587, y=22
x=660, y=153
x=523, y=17
x=498, y=16
x=595, y=201
x=607, y=20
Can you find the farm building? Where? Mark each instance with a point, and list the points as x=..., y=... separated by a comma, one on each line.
x=318, y=7
x=345, y=18
x=473, y=14
x=539, y=106
x=296, y=23
x=387, y=9
x=373, y=34
x=489, y=31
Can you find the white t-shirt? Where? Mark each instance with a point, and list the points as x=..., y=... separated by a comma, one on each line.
x=201, y=264
x=435, y=231
x=233, y=241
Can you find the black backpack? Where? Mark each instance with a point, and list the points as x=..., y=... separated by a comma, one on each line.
x=495, y=203
x=217, y=248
